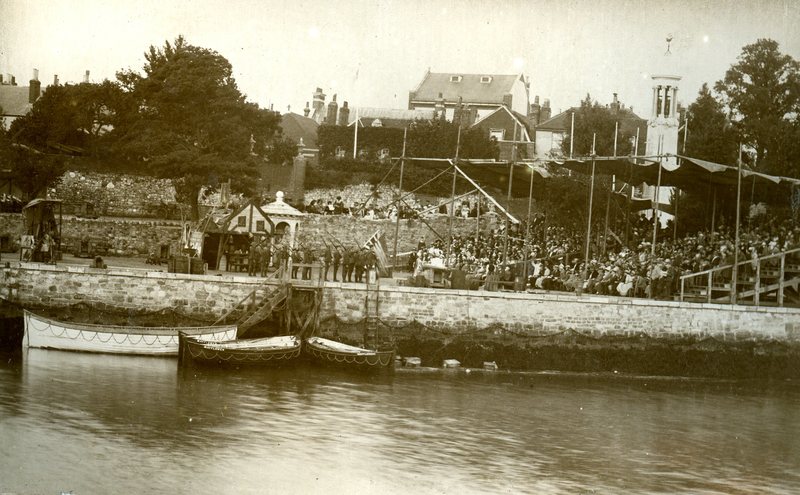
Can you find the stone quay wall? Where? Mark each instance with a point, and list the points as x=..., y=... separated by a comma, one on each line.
x=517, y=331
x=121, y=236
x=451, y=310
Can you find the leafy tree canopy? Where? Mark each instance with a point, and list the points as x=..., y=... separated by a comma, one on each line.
x=426, y=139
x=762, y=92
x=711, y=136
x=193, y=124
x=74, y=118
x=593, y=119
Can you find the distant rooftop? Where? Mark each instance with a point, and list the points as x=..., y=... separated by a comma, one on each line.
x=472, y=88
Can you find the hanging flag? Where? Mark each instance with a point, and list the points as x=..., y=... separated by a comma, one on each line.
x=377, y=244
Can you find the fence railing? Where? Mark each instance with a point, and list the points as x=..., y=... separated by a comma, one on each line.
x=771, y=267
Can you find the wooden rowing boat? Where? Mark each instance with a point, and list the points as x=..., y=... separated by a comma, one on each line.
x=331, y=352
x=157, y=341
x=268, y=351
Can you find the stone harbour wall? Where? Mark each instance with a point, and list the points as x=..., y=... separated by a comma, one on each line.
x=517, y=331
x=451, y=310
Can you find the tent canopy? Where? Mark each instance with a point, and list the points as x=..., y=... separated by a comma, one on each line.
x=687, y=173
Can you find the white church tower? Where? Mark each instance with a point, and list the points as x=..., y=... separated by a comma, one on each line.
x=663, y=122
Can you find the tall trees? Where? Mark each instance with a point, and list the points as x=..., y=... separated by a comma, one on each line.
x=594, y=119
x=74, y=118
x=711, y=136
x=193, y=124
x=762, y=91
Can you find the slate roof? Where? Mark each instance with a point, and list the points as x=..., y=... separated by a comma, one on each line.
x=562, y=121
x=470, y=89
x=297, y=126
x=14, y=100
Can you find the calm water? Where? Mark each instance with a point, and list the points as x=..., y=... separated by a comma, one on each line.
x=106, y=424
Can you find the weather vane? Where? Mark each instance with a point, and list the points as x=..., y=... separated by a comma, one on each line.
x=669, y=40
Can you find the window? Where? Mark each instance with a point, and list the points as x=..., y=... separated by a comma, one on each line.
x=340, y=152
x=260, y=226
x=486, y=79
x=241, y=221
x=497, y=134
x=383, y=154
x=455, y=79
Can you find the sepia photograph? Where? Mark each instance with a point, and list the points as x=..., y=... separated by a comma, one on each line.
x=545, y=247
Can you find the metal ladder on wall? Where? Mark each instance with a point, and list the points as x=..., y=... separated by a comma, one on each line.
x=371, y=312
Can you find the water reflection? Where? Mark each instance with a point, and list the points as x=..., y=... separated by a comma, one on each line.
x=103, y=423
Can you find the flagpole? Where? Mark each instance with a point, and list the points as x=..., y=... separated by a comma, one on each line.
x=400, y=193
x=591, y=201
x=355, y=139
x=655, y=196
x=453, y=198
x=735, y=274
x=508, y=199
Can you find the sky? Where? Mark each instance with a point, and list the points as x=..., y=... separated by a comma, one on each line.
x=372, y=53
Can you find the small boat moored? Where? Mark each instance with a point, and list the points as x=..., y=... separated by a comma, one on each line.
x=326, y=351
x=116, y=339
x=268, y=351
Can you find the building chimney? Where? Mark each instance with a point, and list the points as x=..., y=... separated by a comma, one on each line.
x=439, y=108
x=546, y=110
x=13, y=80
x=306, y=110
x=333, y=111
x=1, y=79
x=318, y=105
x=35, y=88
x=344, y=115
x=615, y=104
x=55, y=80
x=535, y=112
x=86, y=77
x=457, y=112
x=271, y=107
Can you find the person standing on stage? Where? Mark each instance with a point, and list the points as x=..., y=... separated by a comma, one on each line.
x=337, y=259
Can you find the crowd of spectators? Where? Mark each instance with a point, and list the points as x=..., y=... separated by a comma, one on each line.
x=554, y=258
x=364, y=201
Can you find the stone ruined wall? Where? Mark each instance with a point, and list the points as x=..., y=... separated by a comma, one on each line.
x=122, y=237
x=350, y=230
x=116, y=195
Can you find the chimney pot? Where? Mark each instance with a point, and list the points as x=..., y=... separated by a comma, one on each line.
x=55, y=80
x=86, y=77
x=35, y=74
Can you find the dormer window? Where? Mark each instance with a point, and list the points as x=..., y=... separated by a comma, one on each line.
x=486, y=79
x=455, y=79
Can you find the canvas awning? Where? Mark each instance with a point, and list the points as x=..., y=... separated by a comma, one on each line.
x=687, y=173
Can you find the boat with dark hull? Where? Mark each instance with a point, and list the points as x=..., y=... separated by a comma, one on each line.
x=267, y=351
x=330, y=352
x=115, y=339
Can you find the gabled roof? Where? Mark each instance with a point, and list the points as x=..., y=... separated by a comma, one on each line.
x=470, y=88
x=279, y=208
x=296, y=127
x=14, y=100
x=389, y=117
x=559, y=122
x=226, y=223
x=521, y=120
x=562, y=121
